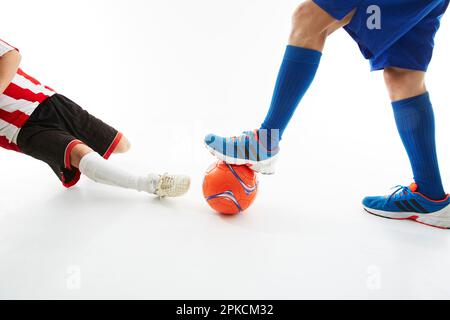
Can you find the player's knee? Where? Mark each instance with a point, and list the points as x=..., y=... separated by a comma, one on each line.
x=304, y=24
x=301, y=20
x=123, y=146
x=77, y=153
x=403, y=83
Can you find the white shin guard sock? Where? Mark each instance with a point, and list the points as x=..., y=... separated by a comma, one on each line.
x=100, y=170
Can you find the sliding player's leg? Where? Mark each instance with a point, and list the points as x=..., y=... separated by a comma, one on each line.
x=70, y=140
x=310, y=28
x=100, y=141
x=98, y=169
x=123, y=146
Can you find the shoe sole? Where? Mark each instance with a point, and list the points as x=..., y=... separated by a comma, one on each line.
x=440, y=219
x=266, y=167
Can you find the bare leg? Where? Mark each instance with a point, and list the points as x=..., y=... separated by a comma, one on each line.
x=78, y=153
x=123, y=146
x=81, y=150
x=403, y=83
x=311, y=25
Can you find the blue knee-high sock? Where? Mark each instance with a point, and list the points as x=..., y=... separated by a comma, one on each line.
x=296, y=74
x=415, y=123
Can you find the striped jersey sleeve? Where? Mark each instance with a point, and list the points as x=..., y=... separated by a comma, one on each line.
x=23, y=95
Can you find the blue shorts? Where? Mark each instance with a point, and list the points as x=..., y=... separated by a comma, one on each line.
x=405, y=35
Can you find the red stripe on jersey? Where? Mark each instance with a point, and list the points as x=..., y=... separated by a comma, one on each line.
x=4, y=143
x=28, y=77
x=48, y=88
x=16, y=92
x=16, y=118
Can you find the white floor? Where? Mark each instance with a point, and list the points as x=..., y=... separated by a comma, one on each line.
x=95, y=242
x=179, y=74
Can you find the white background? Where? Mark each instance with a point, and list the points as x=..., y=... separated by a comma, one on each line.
x=168, y=72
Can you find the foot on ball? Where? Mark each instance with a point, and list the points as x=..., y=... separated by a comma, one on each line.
x=258, y=149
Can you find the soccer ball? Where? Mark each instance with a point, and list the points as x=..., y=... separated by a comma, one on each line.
x=230, y=189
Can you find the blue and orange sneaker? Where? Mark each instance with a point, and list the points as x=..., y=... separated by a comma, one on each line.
x=406, y=203
x=258, y=149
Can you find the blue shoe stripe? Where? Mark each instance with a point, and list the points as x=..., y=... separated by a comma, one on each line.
x=247, y=151
x=410, y=207
x=245, y=147
x=400, y=206
x=418, y=206
x=224, y=147
x=252, y=152
x=258, y=150
x=241, y=152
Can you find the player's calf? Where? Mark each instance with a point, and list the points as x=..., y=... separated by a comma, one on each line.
x=404, y=83
x=77, y=153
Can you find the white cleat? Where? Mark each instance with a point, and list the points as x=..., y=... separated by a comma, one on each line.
x=172, y=185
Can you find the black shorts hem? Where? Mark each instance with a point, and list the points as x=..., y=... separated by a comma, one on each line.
x=56, y=127
x=75, y=174
x=113, y=146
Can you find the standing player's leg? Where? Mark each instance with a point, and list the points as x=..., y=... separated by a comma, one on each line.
x=310, y=28
x=425, y=200
x=414, y=117
x=405, y=64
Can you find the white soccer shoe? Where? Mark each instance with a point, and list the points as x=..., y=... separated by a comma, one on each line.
x=172, y=185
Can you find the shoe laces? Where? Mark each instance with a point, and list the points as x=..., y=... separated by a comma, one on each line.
x=243, y=137
x=165, y=183
x=399, y=192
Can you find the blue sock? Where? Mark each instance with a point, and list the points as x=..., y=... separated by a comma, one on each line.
x=415, y=123
x=296, y=74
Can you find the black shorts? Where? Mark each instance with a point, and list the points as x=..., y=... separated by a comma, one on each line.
x=56, y=127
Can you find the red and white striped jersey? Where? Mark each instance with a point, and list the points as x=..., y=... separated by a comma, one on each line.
x=18, y=102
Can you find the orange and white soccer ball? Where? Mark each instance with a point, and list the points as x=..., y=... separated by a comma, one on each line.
x=230, y=189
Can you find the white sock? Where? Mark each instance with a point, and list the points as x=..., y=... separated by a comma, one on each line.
x=100, y=170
